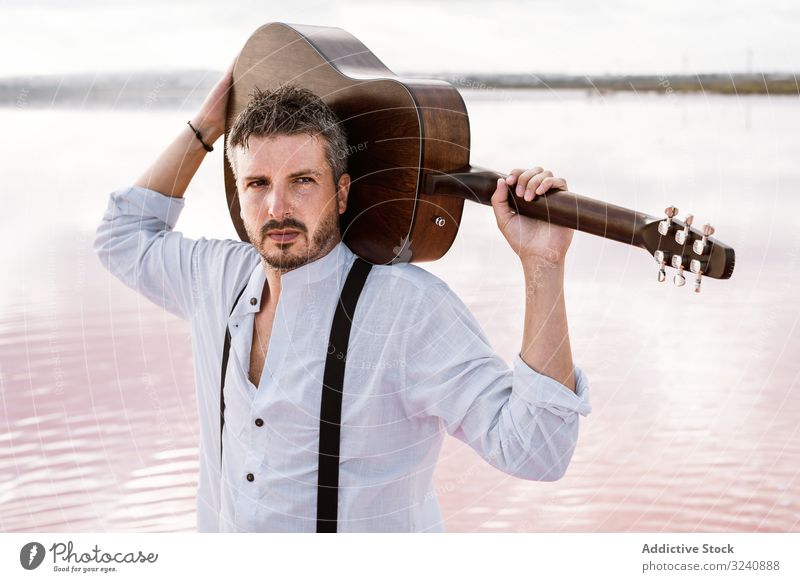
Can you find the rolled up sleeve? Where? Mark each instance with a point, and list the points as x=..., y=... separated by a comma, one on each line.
x=536, y=390
x=137, y=245
x=136, y=242
x=518, y=420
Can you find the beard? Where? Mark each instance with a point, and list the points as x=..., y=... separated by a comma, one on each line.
x=285, y=257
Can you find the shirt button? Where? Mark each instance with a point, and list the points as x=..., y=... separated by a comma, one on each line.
x=253, y=301
x=250, y=477
x=259, y=422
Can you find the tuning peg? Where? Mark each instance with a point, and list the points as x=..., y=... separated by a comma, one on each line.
x=665, y=225
x=678, y=279
x=682, y=235
x=698, y=268
x=699, y=246
x=661, y=258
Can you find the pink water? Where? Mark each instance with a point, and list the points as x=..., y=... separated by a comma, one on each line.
x=695, y=397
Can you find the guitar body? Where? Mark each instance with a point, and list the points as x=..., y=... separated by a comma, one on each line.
x=397, y=129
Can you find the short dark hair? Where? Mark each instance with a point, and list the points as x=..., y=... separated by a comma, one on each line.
x=290, y=110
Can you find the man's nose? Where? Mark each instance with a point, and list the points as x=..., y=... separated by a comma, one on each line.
x=280, y=203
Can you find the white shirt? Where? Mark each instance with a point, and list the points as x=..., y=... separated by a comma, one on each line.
x=418, y=364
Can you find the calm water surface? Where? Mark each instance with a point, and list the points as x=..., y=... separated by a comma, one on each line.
x=695, y=397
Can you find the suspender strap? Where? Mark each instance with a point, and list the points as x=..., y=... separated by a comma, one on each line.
x=331, y=405
x=225, y=351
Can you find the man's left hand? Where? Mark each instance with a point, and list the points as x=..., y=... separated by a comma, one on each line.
x=530, y=238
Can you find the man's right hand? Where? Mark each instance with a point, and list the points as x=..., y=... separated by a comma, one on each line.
x=210, y=120
x=174, y=168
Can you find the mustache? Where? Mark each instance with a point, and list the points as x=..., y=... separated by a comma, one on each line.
x=275, y=225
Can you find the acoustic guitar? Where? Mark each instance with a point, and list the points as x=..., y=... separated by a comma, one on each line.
x=408, y=157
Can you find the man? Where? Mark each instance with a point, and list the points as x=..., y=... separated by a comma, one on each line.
x=418, y=362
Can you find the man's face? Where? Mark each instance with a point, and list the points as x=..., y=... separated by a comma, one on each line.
x=286, y=184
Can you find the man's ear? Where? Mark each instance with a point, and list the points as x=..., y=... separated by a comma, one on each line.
x=343, y=191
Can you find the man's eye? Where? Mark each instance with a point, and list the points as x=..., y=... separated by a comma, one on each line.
x=309, y=180
x=255, y=182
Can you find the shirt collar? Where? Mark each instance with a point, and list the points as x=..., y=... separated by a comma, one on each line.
x=338, y=258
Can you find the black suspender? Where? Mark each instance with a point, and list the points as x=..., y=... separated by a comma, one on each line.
x=330, y=415
x=332, y=388
x=225, y=351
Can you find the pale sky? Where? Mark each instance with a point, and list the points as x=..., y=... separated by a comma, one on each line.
x=551, y=36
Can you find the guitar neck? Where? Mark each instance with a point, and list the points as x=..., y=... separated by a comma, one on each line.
x=563, y=208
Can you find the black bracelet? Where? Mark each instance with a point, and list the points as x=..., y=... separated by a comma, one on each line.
x=200, y=137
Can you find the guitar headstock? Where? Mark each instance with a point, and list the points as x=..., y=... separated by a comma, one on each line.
x=687, y=249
